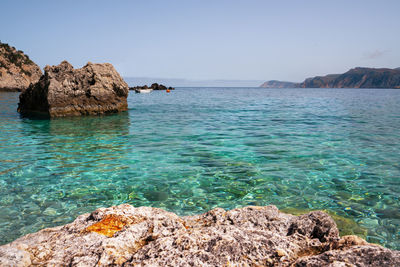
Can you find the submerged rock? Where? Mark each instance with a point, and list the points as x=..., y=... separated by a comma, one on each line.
x=17, y=70
x=251, y=236
x=65, y=91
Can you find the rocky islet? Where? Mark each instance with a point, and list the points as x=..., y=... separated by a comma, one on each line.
x=154, y=86
x=64, y=91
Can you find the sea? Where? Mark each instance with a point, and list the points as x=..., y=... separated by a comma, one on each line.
x=196, y=149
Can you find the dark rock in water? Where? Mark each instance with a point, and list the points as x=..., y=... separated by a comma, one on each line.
x=154, y=86
x=144, y=87
x=251, y=236
x=161, y=87
x=17, y=70
x=65, y=91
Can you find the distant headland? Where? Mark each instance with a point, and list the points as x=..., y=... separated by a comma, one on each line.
x=354, y=78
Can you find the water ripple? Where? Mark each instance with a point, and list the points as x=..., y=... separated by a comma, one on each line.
x=198, y=148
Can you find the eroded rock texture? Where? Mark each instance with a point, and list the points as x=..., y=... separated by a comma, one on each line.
x=251, y=236
x=17, y=70
x=65, y=91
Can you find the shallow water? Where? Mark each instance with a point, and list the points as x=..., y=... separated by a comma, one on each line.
x=200, y=148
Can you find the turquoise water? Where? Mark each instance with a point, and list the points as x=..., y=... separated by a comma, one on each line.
x=200, y=148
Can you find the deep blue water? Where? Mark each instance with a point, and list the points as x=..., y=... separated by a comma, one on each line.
x=200, y=148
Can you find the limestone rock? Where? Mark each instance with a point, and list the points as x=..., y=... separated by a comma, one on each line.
x=65, y=91
x=251, y=236
x=17, y=71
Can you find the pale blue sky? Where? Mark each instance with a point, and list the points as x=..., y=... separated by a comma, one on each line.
x=216, y=39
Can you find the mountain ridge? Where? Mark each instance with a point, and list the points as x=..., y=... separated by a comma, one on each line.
x=359, y=77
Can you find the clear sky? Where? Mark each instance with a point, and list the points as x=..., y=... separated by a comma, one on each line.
x=208, y=39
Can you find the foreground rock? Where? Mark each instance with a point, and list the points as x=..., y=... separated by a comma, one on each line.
x=17, y=71
x=251, y=236
x=65, y=91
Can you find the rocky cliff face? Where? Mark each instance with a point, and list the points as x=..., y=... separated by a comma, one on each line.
x=251, y=236
x=65, y=91
x=278, y=84
x=319, y=81
x=17, y=71
x=356, y=78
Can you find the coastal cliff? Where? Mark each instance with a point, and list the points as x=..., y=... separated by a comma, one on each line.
x=357, y=78
x=251, y=236
x=17, y=70
x=354, y=78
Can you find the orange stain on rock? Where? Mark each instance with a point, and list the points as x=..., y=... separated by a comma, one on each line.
x=109, y=225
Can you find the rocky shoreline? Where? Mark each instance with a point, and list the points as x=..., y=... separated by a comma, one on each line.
x=251, y=236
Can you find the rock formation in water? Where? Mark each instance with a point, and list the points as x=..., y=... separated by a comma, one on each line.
x=17, y=71
x=278, y=84
x=144, y=87
x=251, y=236
x=154, y=86
x=65, y=91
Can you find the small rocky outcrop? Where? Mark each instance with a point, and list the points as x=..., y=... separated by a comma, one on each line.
x=144, y=87
x=65, y=91
x=251, y=236
x=154, y=86
x=17, y=71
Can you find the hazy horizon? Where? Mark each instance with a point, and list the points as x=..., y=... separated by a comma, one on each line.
x=139, y=81
x=208, y=40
